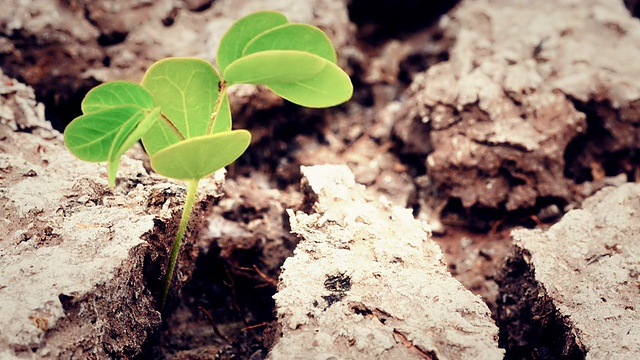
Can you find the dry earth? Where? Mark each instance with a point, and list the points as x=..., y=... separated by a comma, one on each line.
x=479, y=117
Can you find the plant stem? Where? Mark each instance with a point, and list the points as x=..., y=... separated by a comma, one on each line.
x=222, y=91
x=175, y=250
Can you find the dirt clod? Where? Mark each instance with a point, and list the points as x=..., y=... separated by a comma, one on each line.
x=369, y=261
x=502, y=124
x=571, y=290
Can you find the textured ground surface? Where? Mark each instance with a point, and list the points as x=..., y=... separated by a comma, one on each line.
x=531, y=101
x=587, y=267
x=366, y=281
x=478, y=116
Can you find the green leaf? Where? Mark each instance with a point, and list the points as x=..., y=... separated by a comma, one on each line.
x=128, y=135
x=300, y=37
x=117, y=114
x=222, y=121
x=198, y=157
x=329, y=87
x=116, y=93
x=243, y=31
x=186, y=90
x=274, y=66
x=90, y=137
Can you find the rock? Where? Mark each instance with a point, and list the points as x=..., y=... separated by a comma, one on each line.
x=81, y=263
x=580, y=285
x=525, y=98
x=366, y=281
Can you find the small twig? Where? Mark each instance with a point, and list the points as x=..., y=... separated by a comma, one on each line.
x=594, y=258
x=265, y=277
x=496, y=225
x=536, y=220
x=269, y=280
x=231, y=286
x=254, y=326
x=409, y=345
x=213, y=325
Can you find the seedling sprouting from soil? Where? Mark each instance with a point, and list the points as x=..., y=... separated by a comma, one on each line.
x=181, y=109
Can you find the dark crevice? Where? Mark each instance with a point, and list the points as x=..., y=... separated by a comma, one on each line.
x=61, y=109
x=170, y=19
x=116, y=37
x=417, y=165
x=198, y=5
x=378, y=20
x=482, y=219
x=419, y=62
x=600, y=152
x=510, y=171
x=477, y=218
x=633, y=6
x=530, y=325
x=106, y=61
x=624, y=161
x=52, y=72
x=362, y=92
x=277, y=132
x=225, y=296
x=580, y=153
x=218, y=288
x=105, y=38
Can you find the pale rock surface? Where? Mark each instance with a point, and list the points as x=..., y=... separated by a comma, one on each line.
x=589, y=265
x=367, y=282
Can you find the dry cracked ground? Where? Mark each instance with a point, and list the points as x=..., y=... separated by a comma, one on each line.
x=475, y=199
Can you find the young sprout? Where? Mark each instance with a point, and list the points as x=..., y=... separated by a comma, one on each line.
x=181, y=108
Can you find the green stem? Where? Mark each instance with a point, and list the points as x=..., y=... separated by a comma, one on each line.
x=222, y=91
x=173, y=259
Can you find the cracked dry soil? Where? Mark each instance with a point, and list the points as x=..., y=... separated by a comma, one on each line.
x=477, y=128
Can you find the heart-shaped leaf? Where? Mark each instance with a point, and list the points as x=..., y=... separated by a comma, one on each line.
x=186, y=90
x=242, y=31
x=91, y=136
x=197, y=157
x=111, y=94
x=300, y=37
x=116, y=115
x=274, y=66
x=330, y=87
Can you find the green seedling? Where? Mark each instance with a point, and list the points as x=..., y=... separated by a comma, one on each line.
x=181, y=109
